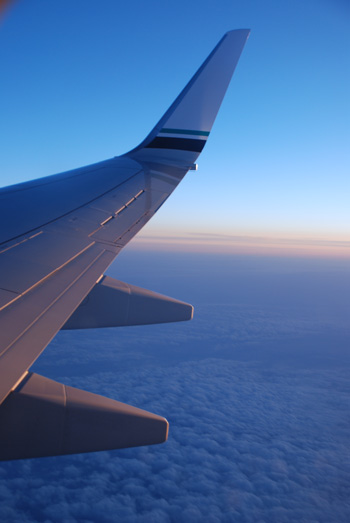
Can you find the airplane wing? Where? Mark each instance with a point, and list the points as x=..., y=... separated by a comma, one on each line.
x=58, y=236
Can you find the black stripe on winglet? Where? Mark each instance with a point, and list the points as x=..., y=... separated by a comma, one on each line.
x=182, y=144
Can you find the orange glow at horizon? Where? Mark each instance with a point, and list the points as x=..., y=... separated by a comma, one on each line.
x=244, y=245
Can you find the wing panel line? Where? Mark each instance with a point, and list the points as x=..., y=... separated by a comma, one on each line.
x=71, y=210
x=54, y=303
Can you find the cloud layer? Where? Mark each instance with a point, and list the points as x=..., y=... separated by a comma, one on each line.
x=246, y=444
x=258, y=404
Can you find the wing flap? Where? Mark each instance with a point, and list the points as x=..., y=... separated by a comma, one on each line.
x=45, y=418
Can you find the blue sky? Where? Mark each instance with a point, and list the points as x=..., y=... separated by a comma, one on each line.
x=84, y=81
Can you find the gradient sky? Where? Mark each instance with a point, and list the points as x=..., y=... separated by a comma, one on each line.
x=256, y=387
x=84, y=81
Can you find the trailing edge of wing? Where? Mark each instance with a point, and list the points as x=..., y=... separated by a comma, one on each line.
x=185, y=127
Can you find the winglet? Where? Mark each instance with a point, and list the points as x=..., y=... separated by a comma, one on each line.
x=184, y=129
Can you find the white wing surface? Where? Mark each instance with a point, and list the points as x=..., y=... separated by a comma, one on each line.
x=58, y=236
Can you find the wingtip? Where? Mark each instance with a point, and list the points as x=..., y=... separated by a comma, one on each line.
x=245, y=32
x=195, y=109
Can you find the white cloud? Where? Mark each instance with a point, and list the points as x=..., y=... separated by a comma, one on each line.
x=257, y=399
x=245, y=444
